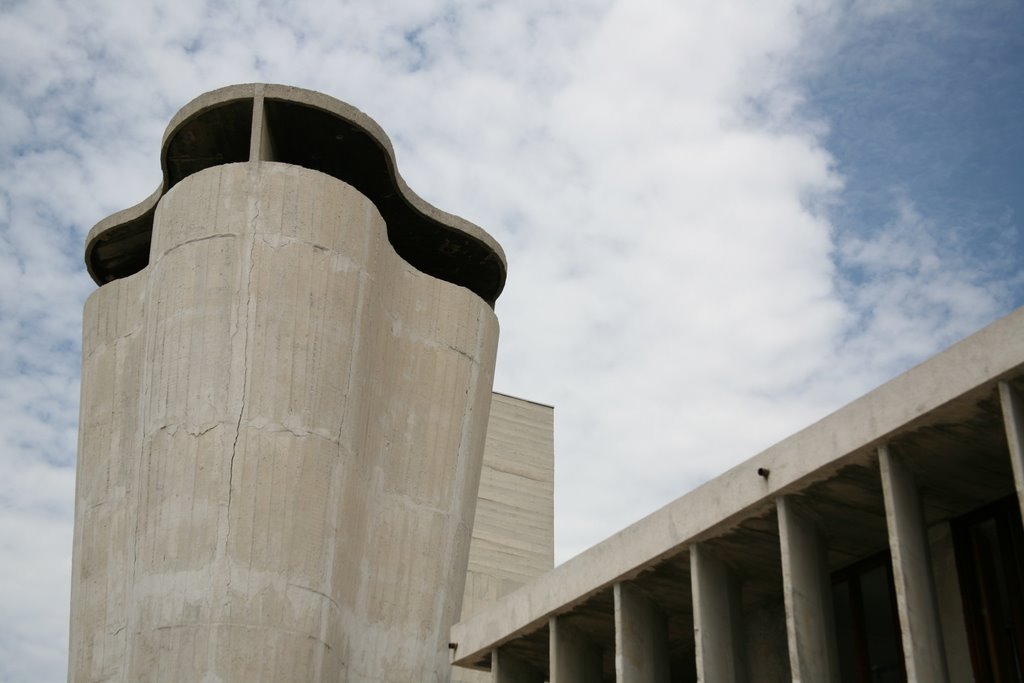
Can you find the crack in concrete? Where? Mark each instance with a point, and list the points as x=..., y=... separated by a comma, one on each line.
x=105, y=345
x=199, y=431
x=316, y=592
x=462, y=353
x=219, y=235
x=190, y=429
x=245, y=377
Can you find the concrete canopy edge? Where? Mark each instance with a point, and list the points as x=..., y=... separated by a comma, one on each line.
x=975, y=364
x=435, y=242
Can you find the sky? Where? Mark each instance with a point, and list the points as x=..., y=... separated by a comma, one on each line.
x=723, y=220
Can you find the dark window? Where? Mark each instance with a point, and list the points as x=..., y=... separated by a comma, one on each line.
x=990, y=561
x=867, y=623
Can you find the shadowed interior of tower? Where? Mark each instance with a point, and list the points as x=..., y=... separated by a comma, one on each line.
x=315, y=138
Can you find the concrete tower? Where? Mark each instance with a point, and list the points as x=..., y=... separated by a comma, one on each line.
x=286, y=382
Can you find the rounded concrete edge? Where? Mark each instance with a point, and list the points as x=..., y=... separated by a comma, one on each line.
x=309, y=98
x=357, y=117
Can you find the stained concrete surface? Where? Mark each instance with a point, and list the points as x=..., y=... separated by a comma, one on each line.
x=281, y=438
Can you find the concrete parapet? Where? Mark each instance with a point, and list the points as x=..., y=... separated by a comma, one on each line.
x=265, y=122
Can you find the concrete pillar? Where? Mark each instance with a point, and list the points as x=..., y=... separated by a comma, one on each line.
x=807, y=590
x=574, y=657
x=1013, y=420
x=951, y=611
x=717, y=619
x=641, y=638
x=923, y=650
x=507, y=669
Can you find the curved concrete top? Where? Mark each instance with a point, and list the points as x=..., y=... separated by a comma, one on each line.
x=263, y=122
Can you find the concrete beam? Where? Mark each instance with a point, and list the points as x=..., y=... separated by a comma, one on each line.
x=507, y=669
x=641, y=638
x=923, y=651
x=1013, y=420
x=574, y=657
x=717, y=619
x=807, y=590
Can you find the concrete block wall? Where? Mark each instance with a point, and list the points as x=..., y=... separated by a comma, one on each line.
x=513, y=535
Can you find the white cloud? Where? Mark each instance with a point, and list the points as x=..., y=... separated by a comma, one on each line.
x=914, y=293
x=672, y=274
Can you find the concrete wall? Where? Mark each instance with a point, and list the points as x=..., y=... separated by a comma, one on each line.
x=281, y=440
x=513, y=535
x=107, y=480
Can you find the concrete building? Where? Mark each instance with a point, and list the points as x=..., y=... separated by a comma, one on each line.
x=286, y=390
x=513, y=534
x=883, y=543
x=292, y=466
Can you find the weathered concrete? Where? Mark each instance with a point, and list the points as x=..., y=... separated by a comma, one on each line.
x=574, y=657
x=281, y=439
x=923, y=652
x=717, y=619
x=641, y=638
x=807, y=590
x=1013, y=421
